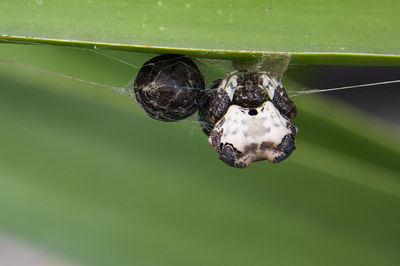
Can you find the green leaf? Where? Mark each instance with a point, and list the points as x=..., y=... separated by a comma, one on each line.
x=313, y=32
x=86, y=174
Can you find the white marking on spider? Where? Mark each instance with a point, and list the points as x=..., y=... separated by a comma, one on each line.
x=270, y=84
x=231, y=86
x=255, y=133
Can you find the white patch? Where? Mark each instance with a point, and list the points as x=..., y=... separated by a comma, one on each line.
x=231, y=86
x=148, y=87
x=269, y=84
x=243, y=130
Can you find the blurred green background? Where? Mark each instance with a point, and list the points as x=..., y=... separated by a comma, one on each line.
x=85, y=174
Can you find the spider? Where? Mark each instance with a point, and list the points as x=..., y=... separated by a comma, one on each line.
x=247, y=118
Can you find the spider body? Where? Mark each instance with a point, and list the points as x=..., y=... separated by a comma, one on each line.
x=247, y=119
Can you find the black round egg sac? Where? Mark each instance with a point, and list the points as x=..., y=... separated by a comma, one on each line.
x=168, y=87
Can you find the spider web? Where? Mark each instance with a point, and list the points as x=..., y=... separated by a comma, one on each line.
x=212, y=69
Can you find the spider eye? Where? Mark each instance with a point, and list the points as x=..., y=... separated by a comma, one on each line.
x=168, y=87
